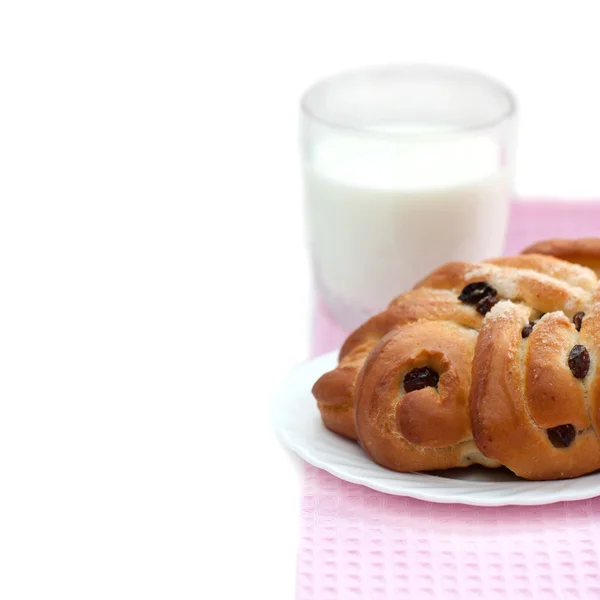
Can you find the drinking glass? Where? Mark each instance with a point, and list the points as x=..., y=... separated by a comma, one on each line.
x=405, y=168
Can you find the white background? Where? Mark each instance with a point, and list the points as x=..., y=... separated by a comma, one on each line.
x=153, y=279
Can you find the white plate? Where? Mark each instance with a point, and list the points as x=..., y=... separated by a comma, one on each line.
x=298, y=424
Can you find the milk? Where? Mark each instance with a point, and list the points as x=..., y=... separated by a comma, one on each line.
x=382, y=214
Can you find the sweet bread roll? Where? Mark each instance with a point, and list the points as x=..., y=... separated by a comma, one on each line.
x=531, y=406
x=412, y=398
x=492, y=363
x=334, y=391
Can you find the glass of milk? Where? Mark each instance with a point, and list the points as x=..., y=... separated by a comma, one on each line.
x=405, y=168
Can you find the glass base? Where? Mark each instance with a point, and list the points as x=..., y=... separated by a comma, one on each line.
x=342, y=313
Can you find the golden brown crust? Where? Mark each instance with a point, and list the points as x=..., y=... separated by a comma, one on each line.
x=548, y=380
x=422, y=429
x=534, y=287
x=500, y=397
x=559, y=269
x=334, y=390
x=504, y=406
x=583, y=251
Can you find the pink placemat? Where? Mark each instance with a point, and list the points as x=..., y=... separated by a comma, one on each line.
x=358, y=543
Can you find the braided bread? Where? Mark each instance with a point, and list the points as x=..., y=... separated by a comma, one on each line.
x=494, y=363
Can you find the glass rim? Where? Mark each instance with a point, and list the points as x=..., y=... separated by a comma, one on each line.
x=493, y=84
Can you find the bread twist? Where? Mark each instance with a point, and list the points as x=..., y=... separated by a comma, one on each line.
x=492, y=363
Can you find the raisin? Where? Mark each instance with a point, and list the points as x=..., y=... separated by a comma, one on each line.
x=485, y=304
x=420, y=378
x=526, y=331
x=561, y=436
x=578, y=319
x=476, y=291
x=579, y=361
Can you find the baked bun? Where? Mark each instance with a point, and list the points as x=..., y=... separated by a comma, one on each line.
x=492, y=363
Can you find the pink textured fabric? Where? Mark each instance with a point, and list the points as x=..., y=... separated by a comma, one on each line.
x=358, y=543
